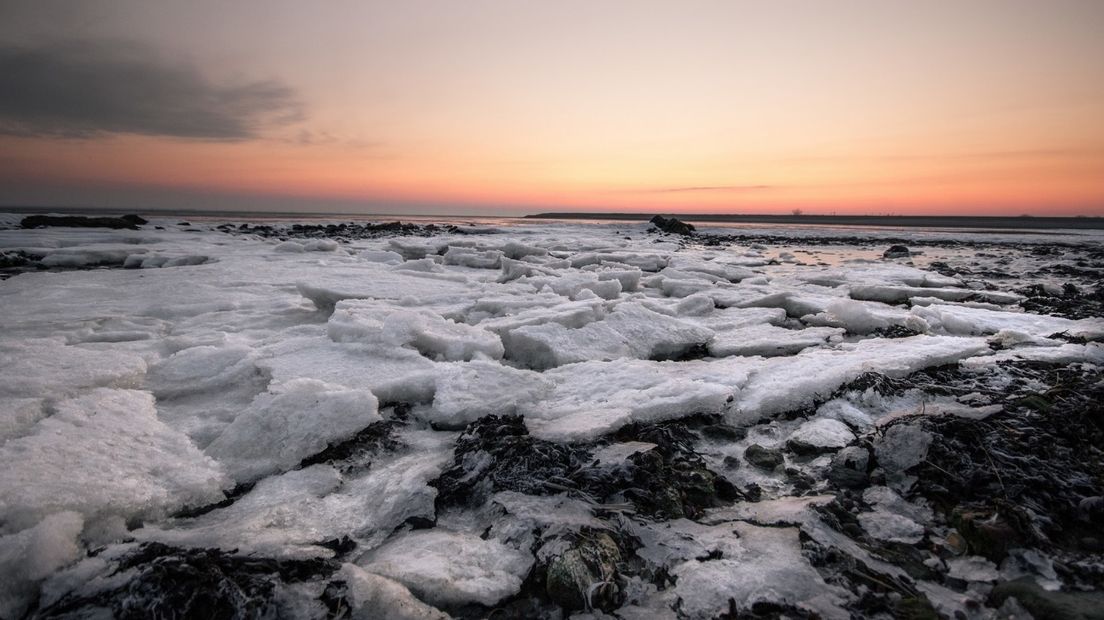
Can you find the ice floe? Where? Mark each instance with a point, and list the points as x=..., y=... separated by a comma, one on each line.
x=296, y=400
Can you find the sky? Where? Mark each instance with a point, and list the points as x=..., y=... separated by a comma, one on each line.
x=942, y=107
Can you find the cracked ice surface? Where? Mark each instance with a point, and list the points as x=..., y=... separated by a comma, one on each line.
x=300, y=398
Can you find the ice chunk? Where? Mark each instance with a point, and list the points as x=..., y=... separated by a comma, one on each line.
x=46, y=367
x=631, y=330
x=891, y=527
x=972, y=568
x=451, y=568
x=761, y=565
x=104, y=454
x=886, y=499
x=820, y=434
x=381, y=256
x=860, y=317
x=769, y=341
x=573, y=314
x=695, y=305
x=788, y=383
x=844, y=411
x=413, y=249
x=1092, y=353
x=471, y=390
x=440, y=338
x=291, y=421
x=629, y=278
x=468, y=257
x=893, y=294
x=571, y=284
x=731, y=273
x=641, y=260
x=291, y=247
x=375, y=281
x=727, y=319
x=88, y=255
x=550, y=344
x=392, y=374
x=617, y=453
x=594, y=398
x=201, y=369
x=673, y=287
x=29, y=556
x=421, y=265
x=371, y=596
x=289, y=514
x=516, y=269
x=516, y=250
x=781, y=511
x=961, y=320
x=557, y=511
x=321, y=245
x=423, y=329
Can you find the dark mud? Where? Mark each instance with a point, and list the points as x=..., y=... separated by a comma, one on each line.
x=169, y=582
x=1028, y=477
x=668, y=481
x=1072, y=303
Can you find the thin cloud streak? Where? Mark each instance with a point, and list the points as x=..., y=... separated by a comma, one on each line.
x=700, y=188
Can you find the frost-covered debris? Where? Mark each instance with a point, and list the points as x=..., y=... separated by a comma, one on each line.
x=346, y=419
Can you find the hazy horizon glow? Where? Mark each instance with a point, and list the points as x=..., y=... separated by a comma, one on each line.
x=980, y=108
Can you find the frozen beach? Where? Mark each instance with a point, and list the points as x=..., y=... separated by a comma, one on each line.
x=524, y=418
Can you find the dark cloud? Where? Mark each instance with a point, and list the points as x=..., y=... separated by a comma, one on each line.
x=86, y=89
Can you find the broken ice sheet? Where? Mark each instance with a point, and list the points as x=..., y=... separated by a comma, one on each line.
x=450, y=568
x=273, y=350
x=738, y=562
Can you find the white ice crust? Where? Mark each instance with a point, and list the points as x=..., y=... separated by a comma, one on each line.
x=196, y=360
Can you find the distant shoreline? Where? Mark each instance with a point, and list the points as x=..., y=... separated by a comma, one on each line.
x=906, y=221
x=927, y=221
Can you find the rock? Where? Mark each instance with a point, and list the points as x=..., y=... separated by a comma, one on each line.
x=1043, y=604
x=897, y=251
x=902, y=447
x=765, y=458
x=1091, y=509
x=79, y=221
x=820, y=435
x=987, y=532
x=849, y=468
x=723, y=432
x=672, y=225
x=585, y=575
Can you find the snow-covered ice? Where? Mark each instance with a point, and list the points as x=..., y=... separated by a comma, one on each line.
x=300, y=398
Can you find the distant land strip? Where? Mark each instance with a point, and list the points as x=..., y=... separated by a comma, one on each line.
x=928, y=221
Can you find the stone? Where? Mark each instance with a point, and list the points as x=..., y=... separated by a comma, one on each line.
x=849, y=468
x=585, y=575
x=1043, y=604
x=765, y=458
x=897, y=251
x=672, y=225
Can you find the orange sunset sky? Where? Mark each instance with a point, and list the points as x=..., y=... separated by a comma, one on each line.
x=508, y=107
